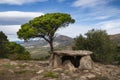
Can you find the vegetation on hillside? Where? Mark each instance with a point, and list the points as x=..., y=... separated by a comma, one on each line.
x=11, y=50
x=98, y=41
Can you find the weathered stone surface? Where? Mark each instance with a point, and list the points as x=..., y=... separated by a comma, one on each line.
x=73, y=53
x=40, y=71
x=79, y=58
x=86, y=63
x=57, y=61
x=68, y=65
x=57, y=70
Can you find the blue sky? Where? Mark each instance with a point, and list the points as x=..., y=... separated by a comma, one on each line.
x=98, y=14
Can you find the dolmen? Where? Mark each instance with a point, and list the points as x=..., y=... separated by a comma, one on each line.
x=73, y=59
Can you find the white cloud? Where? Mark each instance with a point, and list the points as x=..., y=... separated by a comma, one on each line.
x=95, y=10
x=108, y=25
x=95, y=17
x=17, y=17
x=9, y=29
x=88, y=3
x=111, y=26
x=19, y=2
x=19, y=14
x=74, y=30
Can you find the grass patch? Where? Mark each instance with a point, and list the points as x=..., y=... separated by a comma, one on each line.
x=2, y=73
x=21, y=72
x=40, y=56
x=22, y=66
x=8, y=66
x=51, y=74
x=39, y=53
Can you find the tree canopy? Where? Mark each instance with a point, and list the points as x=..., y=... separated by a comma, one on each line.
x=3, y=37
x=45, y=27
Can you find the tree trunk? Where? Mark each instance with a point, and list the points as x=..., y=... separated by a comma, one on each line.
x=51, y=46
x=51, y=61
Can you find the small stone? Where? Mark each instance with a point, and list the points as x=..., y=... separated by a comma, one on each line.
x=82, y=78
x=13, y=63
x=17, y=67
x=25, y=64
x=62, y=74
x=86, y=71
x=11, y=71
x=58, y=70
x=90, y=76
x=99, y=73
x=40, y=71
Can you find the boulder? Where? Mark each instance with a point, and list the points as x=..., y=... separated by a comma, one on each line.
x=86, y=63
x=68, y=65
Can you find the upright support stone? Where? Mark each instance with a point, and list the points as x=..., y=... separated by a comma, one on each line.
x=86, y=62
x=57, y=61
x=68, y=65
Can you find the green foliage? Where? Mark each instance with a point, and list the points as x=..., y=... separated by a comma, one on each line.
x=26, y=32
x=45, y=27
x=48, y=24
x=12, y=50
x=3, y=41
x=117, y=56
x=99, y=42
x=79, y=43
x=51, y=74
x=42, y=56
x=16, y=51
x=3, y=37
x=9, y=66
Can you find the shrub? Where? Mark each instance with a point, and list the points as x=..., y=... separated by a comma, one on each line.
x=99, y=43
x=16, y=51
x=12, y=50
x=3, y=41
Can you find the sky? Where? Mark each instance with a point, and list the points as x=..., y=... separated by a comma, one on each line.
x=88, y=14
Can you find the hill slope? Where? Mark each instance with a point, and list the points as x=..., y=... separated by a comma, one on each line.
x=115, y=38
x=60, y=40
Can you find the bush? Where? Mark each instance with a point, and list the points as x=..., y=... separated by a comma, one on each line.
x=3, y=41
x=99, y=43
x=16, y=51
x=117, y=56
x=12, y=50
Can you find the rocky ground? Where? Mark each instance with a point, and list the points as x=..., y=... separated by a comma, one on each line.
x=39, y=70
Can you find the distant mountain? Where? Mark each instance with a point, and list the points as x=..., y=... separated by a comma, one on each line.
x=115, y=38
x=60, y=40
x=64, y=40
